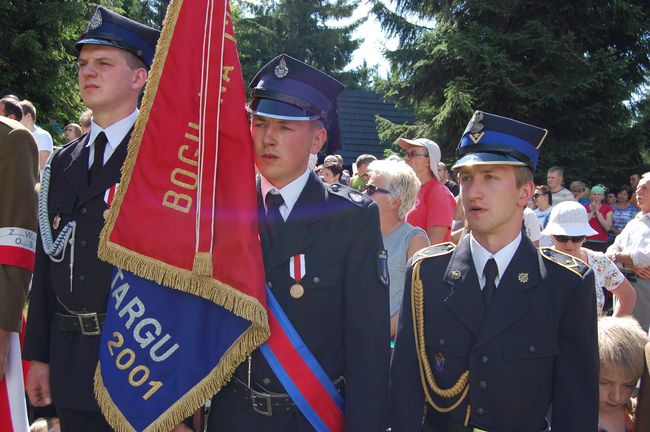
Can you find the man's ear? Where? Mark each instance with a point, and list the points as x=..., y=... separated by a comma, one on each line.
x=139, y=79
x=318, y=140
x=526, y=193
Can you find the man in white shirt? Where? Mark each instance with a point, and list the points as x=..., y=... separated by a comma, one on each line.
x=555, y=181
x=70, y=289
x=41, y=136
x=493, y=332
x=631, y=252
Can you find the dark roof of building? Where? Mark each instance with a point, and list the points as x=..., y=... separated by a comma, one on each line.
x=357, y=127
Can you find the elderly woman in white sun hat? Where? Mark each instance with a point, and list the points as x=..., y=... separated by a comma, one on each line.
x=568, y=226
x=435, y=205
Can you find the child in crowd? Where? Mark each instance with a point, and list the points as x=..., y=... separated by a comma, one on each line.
x=621, y=343
x=45, y=425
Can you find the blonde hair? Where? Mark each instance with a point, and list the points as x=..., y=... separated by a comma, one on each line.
x=621, y=343
x=39, y=425
x=401, y=181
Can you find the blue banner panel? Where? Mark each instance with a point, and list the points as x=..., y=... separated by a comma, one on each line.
x=158, y=343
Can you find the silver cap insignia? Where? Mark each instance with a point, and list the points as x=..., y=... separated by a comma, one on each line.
x=96, y=21
x=281, y=70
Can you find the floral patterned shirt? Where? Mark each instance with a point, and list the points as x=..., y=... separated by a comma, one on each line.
x=607, y=275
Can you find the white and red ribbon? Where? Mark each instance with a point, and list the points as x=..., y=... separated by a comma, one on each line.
x=297, y=267
x=17, y=247
x=109, y=195
x=13, y=411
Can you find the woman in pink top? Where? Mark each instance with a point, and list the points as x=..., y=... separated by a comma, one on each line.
x=601, y=217
x=435, y=204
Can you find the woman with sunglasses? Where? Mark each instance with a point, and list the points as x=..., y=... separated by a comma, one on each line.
x=393, y=186
x=435, y=205
x=568, y=227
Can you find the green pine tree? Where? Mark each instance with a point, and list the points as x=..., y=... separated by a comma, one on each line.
x=571, y=67
x=304, y=30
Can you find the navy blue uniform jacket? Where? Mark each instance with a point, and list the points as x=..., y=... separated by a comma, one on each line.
x=72, y=356
x=535, y=346
x=343, y=316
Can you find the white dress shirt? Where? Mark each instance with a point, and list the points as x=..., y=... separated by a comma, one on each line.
x=480, y=256
x=115, y=133
x=290, y=193
x=635, y=239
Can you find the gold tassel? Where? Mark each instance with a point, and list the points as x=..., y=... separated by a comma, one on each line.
x=202, y=264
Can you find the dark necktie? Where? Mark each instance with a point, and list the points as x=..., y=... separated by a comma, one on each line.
x=98, y=158
x=274, y=219
x=490, y=271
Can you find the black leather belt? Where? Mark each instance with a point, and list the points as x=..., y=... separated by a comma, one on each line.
x=88, y=324
x=268, y=403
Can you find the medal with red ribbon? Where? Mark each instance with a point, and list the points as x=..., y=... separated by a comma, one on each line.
x=109, y=195
x=297, y=272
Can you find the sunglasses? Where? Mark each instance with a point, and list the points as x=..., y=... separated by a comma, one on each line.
x=370, y=190
x=574, y=239
x=413, y=153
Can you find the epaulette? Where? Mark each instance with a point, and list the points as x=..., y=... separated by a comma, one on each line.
x=567, y=261
x=349, y=194
x=432, y=251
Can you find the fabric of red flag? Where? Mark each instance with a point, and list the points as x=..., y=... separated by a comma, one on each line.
x=185, y=212
x=190, y=169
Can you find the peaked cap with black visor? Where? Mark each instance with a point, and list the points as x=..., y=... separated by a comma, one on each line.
x=490, y=139
x=288, y=89
x=111, y=29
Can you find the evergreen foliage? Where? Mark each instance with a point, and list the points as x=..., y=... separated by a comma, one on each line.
x=304, y=30
x=575, y=68
x=37, y=56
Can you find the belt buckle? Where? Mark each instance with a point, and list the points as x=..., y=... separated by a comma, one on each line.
x=95, y=330
x=266, y=398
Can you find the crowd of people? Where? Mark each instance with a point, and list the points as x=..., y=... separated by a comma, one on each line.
x=483, y=298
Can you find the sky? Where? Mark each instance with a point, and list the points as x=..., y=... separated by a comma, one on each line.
x=375, y=42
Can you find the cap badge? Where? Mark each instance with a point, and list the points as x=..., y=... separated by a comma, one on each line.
x=475, y=123
x=96, y=21
x=281, y=70
x=523, y=277
x=476, y=137
x=455, y=274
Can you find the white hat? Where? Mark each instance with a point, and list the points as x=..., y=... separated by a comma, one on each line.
x=432, y=149
x=569, y=218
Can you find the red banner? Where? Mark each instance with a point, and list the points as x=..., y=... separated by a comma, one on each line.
x=185, y=212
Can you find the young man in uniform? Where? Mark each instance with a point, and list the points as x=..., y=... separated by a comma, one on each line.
x=324, y=263
x=502, y=331
x=71, y=285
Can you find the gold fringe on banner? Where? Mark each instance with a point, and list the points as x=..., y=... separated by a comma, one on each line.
x=194, y=282
x=202, y=264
